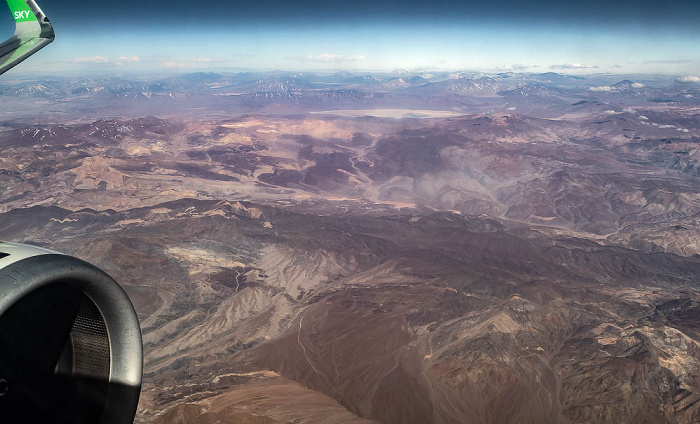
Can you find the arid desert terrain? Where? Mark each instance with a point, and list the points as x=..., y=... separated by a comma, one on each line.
x=391, y=248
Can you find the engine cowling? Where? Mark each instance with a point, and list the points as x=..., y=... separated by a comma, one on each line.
x=70, y=341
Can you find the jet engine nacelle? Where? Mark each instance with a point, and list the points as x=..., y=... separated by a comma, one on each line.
x=70, y=342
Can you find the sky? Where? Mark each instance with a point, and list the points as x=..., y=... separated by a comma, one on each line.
x=371, y=35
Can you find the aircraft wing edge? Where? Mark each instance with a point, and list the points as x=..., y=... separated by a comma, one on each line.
x=33, y=31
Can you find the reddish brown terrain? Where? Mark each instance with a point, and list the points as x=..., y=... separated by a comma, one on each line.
x=484, y=249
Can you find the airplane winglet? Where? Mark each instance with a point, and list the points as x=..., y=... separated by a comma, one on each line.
x=33, y=31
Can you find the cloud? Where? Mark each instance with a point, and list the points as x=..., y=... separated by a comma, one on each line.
x=573, y=65
x=93, y=59
x=687, y=79
x=202, y=59
x=173, y=64
x=601, y=88
x=102, y=60
x=128, y=59
x=515, y=67
x=637, y=85
x=332, y=58
x=190, y=62
x=670, y=62
x=328, y=57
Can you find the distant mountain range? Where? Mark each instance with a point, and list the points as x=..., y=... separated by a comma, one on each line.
x=434, y=84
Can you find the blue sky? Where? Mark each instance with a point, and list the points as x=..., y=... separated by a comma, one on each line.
x=533, y=36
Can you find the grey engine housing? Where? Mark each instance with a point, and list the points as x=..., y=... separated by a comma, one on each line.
x=70, y=342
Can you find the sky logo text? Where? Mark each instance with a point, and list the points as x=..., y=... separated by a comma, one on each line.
x=22, y=14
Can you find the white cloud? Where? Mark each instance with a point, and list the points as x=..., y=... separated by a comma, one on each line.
x=515, y=67
x=601, y=88
x=174, y=64
x=511, y=108
x=573, y=65
x=330, y=57
x=106, y=60
x=637, y=85
x=670, y=61
x=688, y=79
x=93, y=59
x=200, y=62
